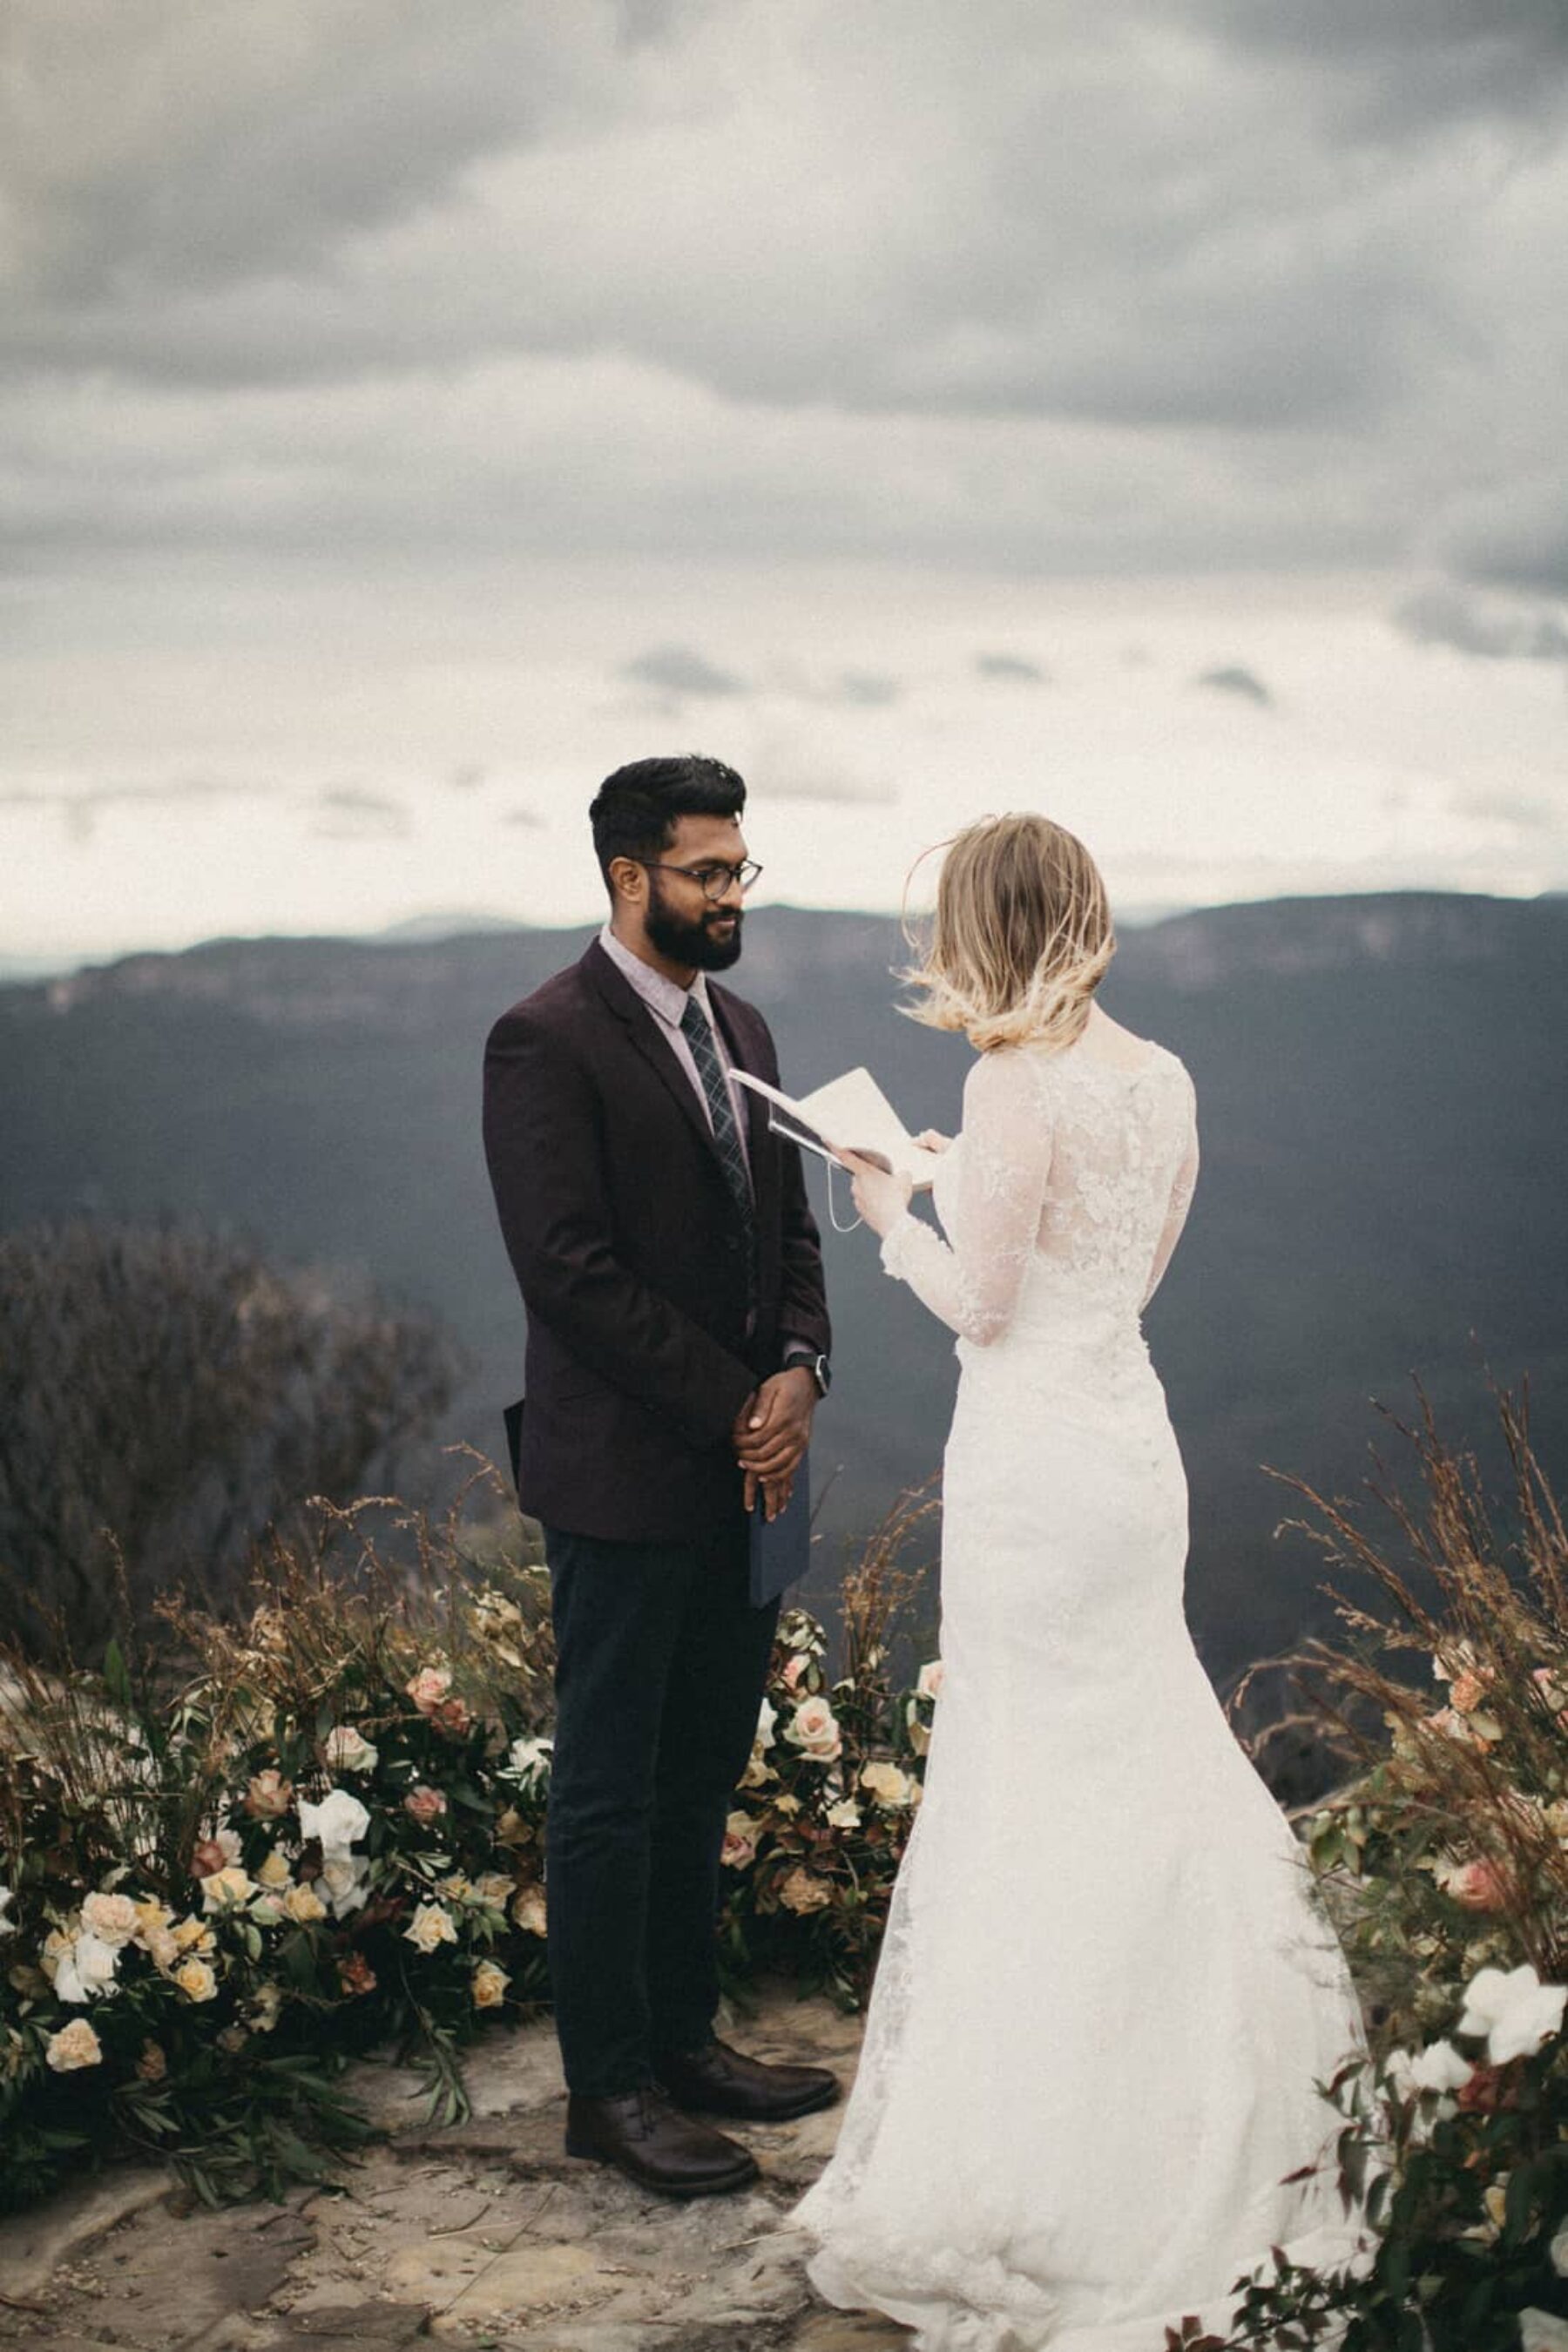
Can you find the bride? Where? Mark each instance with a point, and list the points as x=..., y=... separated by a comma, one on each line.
x=1106, y=1998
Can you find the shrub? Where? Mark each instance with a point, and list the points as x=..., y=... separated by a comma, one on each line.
x=172, y=1387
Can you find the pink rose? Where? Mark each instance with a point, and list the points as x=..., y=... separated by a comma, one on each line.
x=208, y=1857
x=269, y=1796
x=794, y=1671
x=1479, y=1886
x=1466, y=1691
x=451, y=1716
x=425, y=1804
x=428, y=1687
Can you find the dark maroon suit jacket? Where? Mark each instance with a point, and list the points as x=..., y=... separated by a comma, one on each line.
x=631, y=1257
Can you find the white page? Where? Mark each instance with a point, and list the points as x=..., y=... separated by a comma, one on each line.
x=852, y=1114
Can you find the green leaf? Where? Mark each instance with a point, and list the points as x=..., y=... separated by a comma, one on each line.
x=117, y=1676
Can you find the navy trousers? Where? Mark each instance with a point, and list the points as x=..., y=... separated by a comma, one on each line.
x=660, y=1662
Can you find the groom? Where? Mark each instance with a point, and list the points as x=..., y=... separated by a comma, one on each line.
x=677, y=1348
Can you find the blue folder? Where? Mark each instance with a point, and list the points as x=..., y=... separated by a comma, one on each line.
x=781, y=1549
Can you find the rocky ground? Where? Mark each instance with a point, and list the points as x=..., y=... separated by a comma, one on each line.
x=486, y=2236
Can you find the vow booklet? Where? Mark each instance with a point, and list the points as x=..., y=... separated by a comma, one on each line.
x=781, y=1548
x=848, y=1114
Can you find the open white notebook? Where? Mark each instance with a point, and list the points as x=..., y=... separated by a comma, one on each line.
x=848, y=1114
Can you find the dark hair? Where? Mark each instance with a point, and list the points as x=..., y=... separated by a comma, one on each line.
x=635, y=811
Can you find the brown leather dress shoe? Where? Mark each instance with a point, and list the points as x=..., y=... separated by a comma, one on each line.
x=718, y=2081
x=654, y=2146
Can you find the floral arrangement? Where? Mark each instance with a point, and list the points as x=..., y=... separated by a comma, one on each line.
x=1444, y=1859
x=329, y=1835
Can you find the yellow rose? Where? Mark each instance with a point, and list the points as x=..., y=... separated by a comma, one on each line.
x=304, y=1905
x=197, y=1981
x=489, y=1984
x=152, y=1918
x=273, y=1874
x=74, y=2045
x=191, y=1936
x=494, y=1889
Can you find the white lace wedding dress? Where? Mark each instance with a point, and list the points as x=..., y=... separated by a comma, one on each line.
x=1106, y=1995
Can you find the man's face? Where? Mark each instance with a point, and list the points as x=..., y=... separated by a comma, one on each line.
x=681, y=922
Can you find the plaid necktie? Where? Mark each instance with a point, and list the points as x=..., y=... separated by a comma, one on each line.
x=698, y=1035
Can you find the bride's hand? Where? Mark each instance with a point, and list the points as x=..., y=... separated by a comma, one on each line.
x=930, y=1141
x=881, y=1198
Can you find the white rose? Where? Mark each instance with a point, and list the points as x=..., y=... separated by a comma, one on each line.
x=1558, y=2251
x=113, y=1918
x=347, y=1750
x=431, y=1924
x=7, y=1896
x=339, y=1820
x=1441, y=2068
x=890, y=1787
x=528, y=1757
x=844, y=1816
x=87, y=1971
x=814, y=1729
x=74, y=2045
x=928, y=1682
x=767, y=1717
x=1539, y=2332
x=343, y=1882
x=1514, y=2010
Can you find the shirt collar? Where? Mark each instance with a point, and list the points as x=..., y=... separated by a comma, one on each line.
x=665, y=997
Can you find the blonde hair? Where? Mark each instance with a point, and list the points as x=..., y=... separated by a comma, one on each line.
x=1022, y=940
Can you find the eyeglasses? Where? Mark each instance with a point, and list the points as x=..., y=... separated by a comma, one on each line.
x=715, y=881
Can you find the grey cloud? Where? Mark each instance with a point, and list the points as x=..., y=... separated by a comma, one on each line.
x=1236, y=680
x=466, y=775
x=353, y=813
x=1517, y=538
x=81, y=806
x=681, y=669
x=1447, y=614
x=524, y=817
x=1521, y=812
x=1009, y=669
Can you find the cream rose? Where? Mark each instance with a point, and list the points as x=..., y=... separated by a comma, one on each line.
x=304, y=1905
x=431, y=1924
x=802, y=1892
x=814, y=1729
x=890, y=1787
x=273, y=1874
x=844, y=1816
x=112, y=1918
x=342, y=1879
x=75, y=2045
x=269, y=1796
x=227, y=1890
x=740, y=1835
x=196, y=1979
x=489, y=1984
x=528, y=1910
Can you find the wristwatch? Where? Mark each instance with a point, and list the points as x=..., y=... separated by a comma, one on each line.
x=819, y=1368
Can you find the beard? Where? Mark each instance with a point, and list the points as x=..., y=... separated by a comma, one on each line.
x=700, y=944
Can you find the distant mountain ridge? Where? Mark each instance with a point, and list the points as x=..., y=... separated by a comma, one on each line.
x=1385, y=1130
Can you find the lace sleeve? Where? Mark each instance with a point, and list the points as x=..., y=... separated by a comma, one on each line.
x=1184, y=1185
x=972, y=1284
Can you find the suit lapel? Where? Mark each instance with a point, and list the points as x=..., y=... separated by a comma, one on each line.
x=650, y=1041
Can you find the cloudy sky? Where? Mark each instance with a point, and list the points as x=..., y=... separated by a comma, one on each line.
x=1151, y=411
